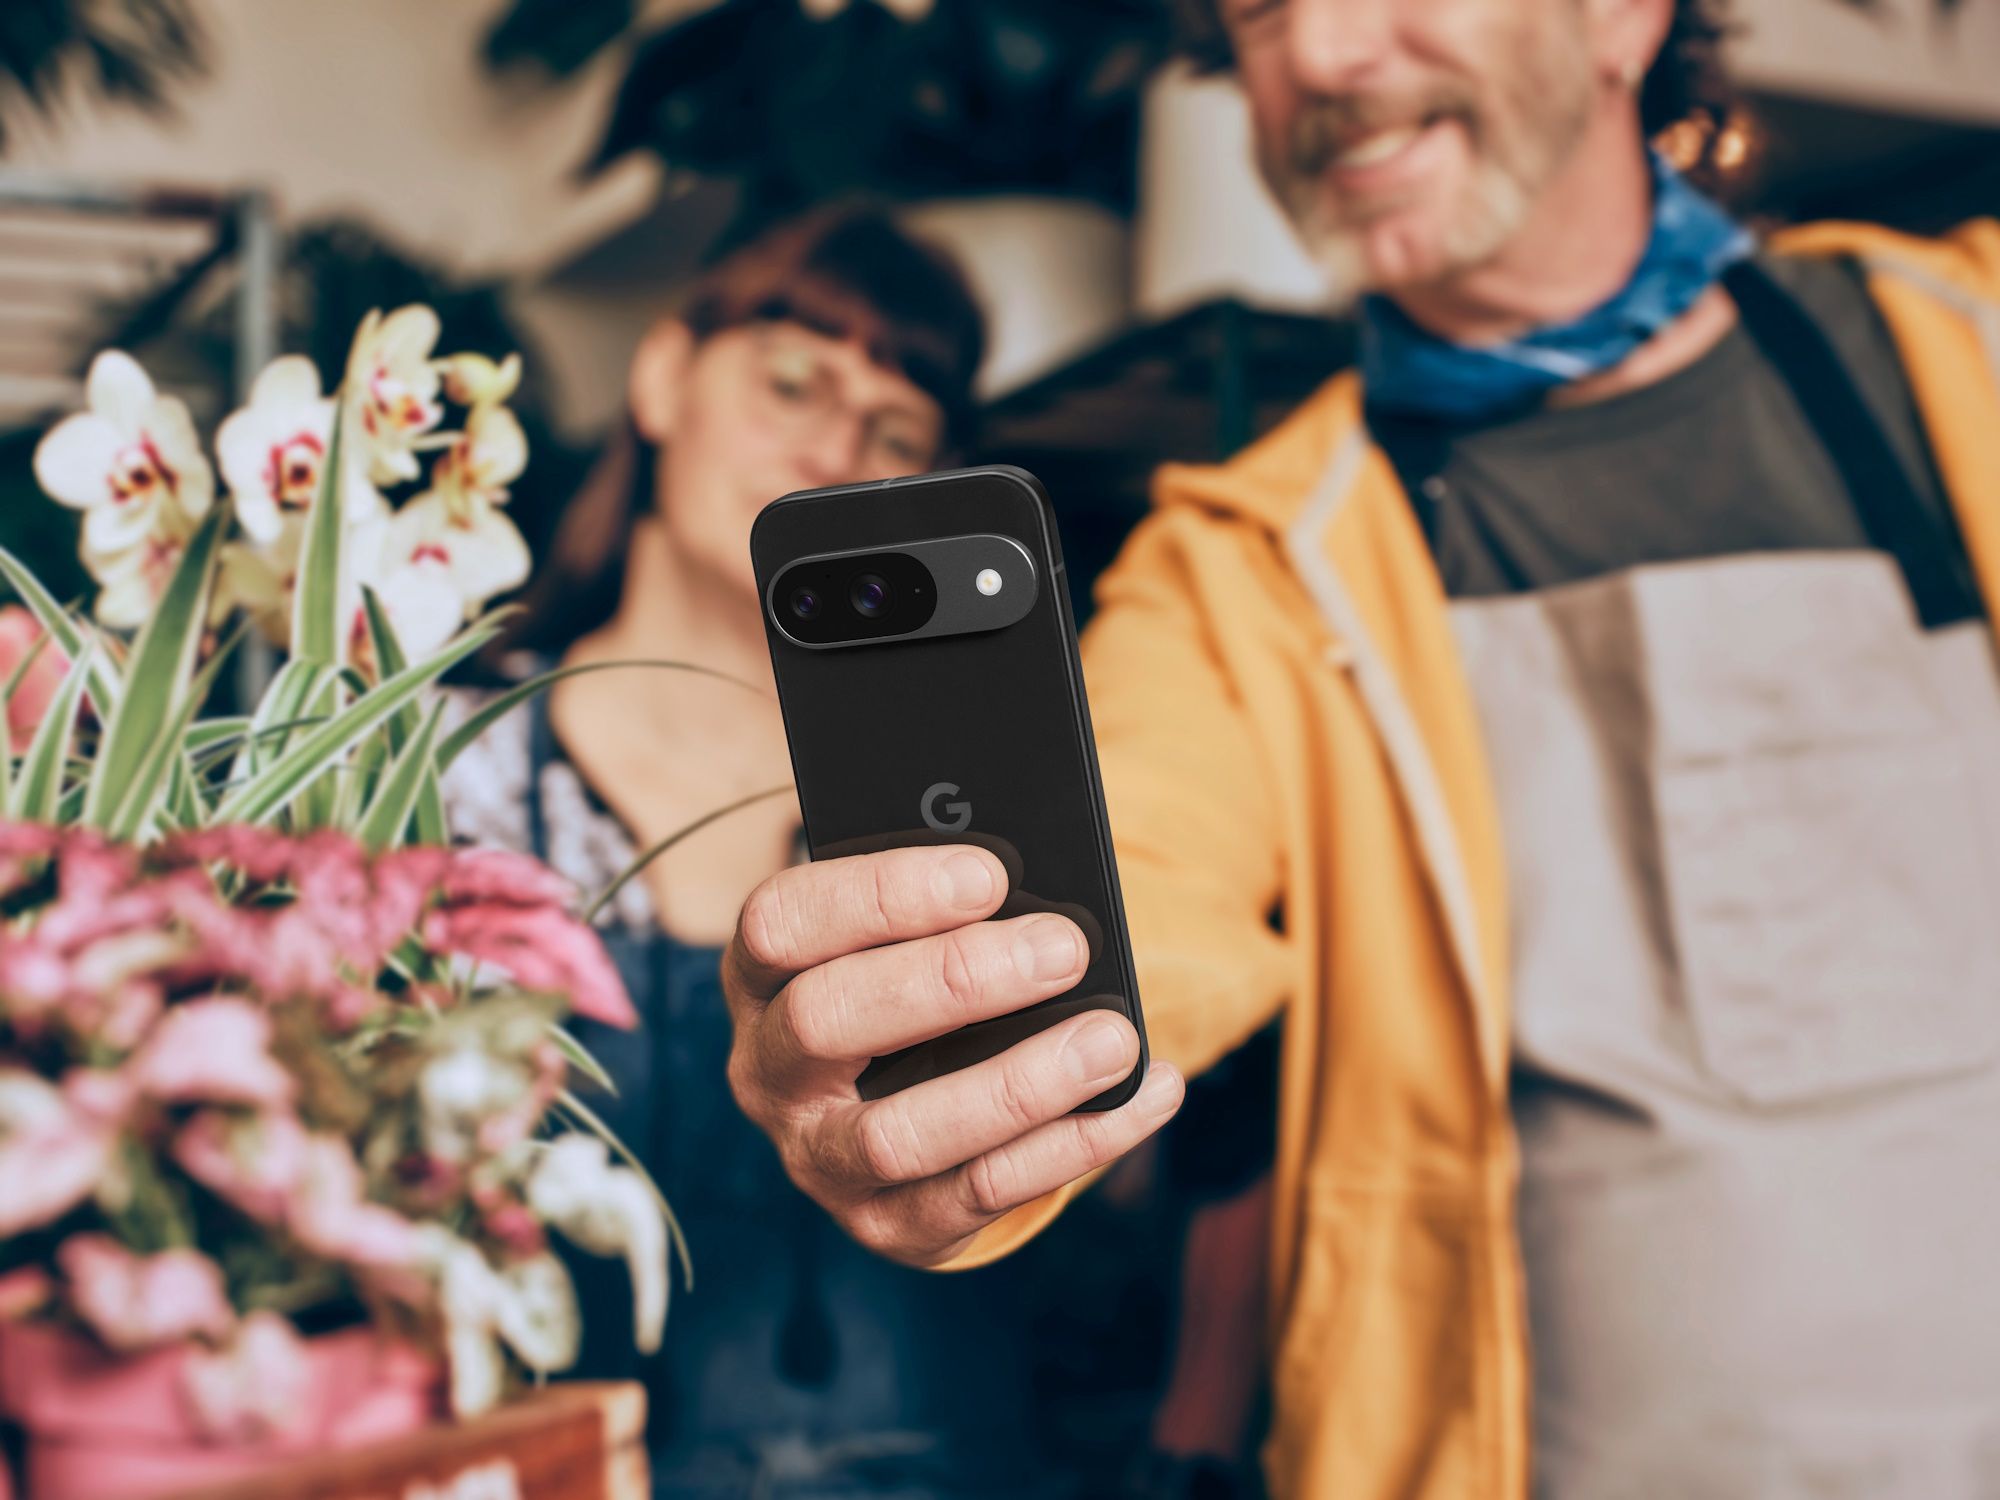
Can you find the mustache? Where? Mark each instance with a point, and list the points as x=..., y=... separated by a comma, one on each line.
x=1324, y=129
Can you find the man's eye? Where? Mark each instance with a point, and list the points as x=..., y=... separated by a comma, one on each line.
x=790, y=386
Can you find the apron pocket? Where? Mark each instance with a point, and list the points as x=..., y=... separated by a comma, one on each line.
x=1830, y=911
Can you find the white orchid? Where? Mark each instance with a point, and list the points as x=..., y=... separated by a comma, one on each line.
x=607, y=1210
x=131, y=579
x=393, y=384
x=433, y=570
x=475, y=380
x=273, y=450
x=531, y=1305
x=482, y=461
x=131, y=463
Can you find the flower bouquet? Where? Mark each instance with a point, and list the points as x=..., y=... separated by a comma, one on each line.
x=286, y=1107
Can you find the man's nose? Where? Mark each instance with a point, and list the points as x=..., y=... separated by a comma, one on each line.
x=1335, y=45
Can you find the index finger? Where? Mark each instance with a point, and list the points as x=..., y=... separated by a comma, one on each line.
x=803, y=917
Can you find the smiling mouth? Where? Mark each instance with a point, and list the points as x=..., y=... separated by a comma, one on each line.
x=1380, y=146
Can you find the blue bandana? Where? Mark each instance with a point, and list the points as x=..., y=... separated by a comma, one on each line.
x=1410, y=372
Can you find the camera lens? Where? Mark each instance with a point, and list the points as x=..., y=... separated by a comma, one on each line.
x=869, y=595
x=805, y=603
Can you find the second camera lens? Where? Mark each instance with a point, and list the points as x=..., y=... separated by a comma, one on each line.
x=805, y=603
x=869, y=594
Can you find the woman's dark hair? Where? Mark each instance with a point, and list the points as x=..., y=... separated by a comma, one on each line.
x=846, y=272
x=1686, y=81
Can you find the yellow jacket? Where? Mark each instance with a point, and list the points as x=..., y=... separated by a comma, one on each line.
x=1303, y=814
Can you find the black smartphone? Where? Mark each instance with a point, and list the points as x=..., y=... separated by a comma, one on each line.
x=925, y=654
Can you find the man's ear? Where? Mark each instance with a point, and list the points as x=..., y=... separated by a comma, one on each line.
x=658, y=380
x=1626, y=35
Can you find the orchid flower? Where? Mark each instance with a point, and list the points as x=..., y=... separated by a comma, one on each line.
x=607, y=1210
x=394, y=388
x=475, y=380
x=273, y=450
x=481, y=462
x=131, y=463
x=530, y=1304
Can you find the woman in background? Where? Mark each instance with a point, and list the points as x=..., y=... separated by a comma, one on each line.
x=832, y=350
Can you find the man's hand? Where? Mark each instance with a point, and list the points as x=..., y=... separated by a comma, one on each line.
x=838, y=962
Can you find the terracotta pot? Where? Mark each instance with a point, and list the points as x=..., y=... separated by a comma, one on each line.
x=101, y=1427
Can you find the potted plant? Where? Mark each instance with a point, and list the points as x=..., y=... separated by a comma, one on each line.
x=286, y=1107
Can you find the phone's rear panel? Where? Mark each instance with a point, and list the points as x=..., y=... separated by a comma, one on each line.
x=998, y=714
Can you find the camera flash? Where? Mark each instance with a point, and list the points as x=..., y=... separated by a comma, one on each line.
x=988, y=581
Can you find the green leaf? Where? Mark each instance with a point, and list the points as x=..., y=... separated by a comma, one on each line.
x=14, y=680
x=274, y=787
x=388, y=816
x=104, y=686
x=580, y=1058
x=39, y=791
x=141, y=805
x=156, y=683
x=431, y=827
x=389, y=660
x=490, y=714
x=282, y=707
x=625, y=875
x=316, y=629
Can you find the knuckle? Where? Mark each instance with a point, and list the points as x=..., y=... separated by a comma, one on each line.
x=880, y=897
x=987, y=1183
x=873, y=1229
x=958, y=972
x=799, y=1013
x=884, y=1146
x=1095, y=1141
x=1015, y=1098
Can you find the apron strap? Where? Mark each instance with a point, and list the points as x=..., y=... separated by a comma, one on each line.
x=1897, y=517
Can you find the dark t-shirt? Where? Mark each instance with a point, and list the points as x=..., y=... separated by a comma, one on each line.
x=1715, y=459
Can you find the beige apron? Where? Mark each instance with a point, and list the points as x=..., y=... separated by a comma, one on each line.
x=1752, y=816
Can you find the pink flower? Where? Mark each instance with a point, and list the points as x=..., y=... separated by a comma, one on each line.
x=23, y=846
x=253, y=1163
x=53, y=1149
x=216, y=1050
x=19, y=634
x=501, y=875
x=544, y=949
x=25, y=1291
x=329, y=1216
x=253, y=1386
x=136, y=1302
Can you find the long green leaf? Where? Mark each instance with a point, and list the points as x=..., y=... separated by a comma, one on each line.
x=273, y=788
x=431, y=827
x=38, y=794
x=316, y=604
x=581, y=1058
x=140, y=807
x=281, y=708
x=104, y=684
x=491, y=713
x=625, y=875
x=156, y=683
x=14, y=681
x=388, y=816
x=389, y=660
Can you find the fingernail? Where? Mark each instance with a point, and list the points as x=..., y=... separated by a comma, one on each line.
x=1097, y=1051
x=1046, y=949
x=1161, y=1090
x=967, y=880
